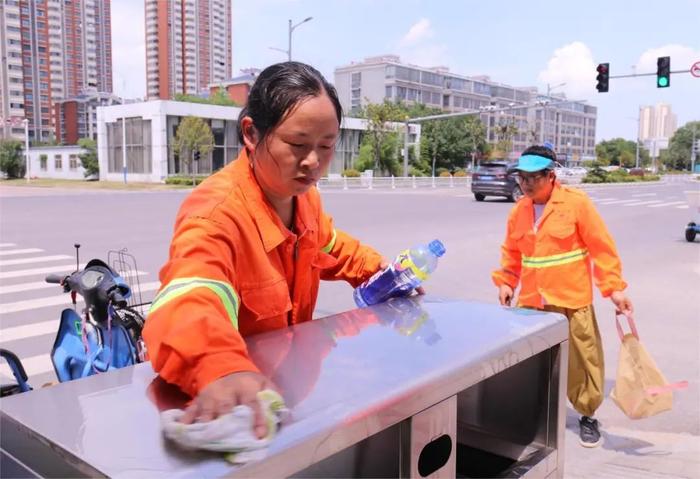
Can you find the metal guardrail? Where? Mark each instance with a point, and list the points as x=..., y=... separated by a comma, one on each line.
x=394, y=182
x=425, y=182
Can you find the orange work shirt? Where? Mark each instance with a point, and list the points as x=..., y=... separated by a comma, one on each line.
x=555, y=260
x=235, y=270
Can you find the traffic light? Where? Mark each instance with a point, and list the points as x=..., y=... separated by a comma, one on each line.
x=663, y=72
x=603, y=77
x=196, y=155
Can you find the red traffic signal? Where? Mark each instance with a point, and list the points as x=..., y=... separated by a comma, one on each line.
x=603, y=77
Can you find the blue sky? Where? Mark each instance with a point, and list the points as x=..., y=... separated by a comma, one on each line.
x=515, y=42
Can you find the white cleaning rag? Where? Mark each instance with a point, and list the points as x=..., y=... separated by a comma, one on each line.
x=231, y=433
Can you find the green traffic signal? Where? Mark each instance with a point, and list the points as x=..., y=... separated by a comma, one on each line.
x=663, y=72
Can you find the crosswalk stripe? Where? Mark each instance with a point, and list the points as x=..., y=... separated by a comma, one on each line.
x=639, y=203
x=28, y=331
x=683, y=207
x=29, y=304
x=29, y=272
x=603, y=199
x=644, y=194
x=20, y=251
x=7, y=245
x=671, y=203
x=616, y=202
x=33, y=366
x=16, y=288
x=36, y=259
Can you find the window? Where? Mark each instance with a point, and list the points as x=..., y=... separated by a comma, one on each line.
x=43, y=160
x=58, y=162
x=73, y=162
x=356, y=79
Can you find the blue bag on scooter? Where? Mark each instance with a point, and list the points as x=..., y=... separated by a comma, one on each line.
x=101, y=349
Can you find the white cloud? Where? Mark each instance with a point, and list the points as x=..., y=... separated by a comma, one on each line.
x=682, y=57
x=419, y=31
x=128, y=49
x=573, y=65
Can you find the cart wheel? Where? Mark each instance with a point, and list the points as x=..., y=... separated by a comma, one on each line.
x=690, y=232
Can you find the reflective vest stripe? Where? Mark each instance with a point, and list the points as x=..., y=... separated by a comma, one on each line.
x=327, y=249
x=180, y=286
x=554, y=260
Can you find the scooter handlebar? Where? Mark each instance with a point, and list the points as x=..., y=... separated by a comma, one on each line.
x=54, y=278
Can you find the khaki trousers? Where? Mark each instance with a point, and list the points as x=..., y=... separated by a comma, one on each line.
x=586, y=366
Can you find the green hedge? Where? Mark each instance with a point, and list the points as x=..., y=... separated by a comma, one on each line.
x=599, y=175
x=183, y=180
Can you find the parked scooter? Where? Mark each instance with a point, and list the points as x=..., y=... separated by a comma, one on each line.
x=108, y=333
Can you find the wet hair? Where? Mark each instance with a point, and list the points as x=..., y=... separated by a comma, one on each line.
x=278, y=90
x=540, y=150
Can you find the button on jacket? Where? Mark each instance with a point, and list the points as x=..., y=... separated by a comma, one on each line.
x=235, y=270
x=556, y=259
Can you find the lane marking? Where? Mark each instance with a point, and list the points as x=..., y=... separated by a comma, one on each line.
x=20, y=251
x=36, y=259
x=17, y=288
x=29, y=272
x=671, y=203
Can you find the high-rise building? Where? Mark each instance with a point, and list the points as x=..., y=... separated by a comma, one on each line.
x=51, y=50
x=568, y=125
x=188, y=46
x=656, y=122
x=76, y=117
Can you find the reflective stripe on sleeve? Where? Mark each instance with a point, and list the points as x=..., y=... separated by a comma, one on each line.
x=180, y=286
x=327, y=249
x=554, y=260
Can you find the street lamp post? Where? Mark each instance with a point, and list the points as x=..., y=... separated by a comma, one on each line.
x=26, y=148
x=544, y=109
x=291, y=29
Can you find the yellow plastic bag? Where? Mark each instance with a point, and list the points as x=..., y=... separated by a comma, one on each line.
x=640, y=388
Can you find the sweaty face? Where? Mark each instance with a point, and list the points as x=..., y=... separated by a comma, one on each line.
x=537, y=186
x=296, y=153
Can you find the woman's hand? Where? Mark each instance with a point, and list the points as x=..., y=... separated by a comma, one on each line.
x=221, y=395
x=385, y=264
x=505, y=295
x=622, y=303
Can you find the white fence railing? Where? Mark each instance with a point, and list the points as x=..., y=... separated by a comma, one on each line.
x=394, y=182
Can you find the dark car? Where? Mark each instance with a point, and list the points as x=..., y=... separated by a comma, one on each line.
x=496, y=178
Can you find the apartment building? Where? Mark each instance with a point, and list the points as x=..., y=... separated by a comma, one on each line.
x=188, y=46
x=51, y=50
x=569, y=126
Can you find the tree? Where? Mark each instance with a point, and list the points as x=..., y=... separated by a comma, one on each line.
x=382, y=140
x=193, y=139
x=219, y=97
x=504, y=132
x=621, y=152
x=89, y=158
x=11, y=158
x=677, y=156
x=450, y=143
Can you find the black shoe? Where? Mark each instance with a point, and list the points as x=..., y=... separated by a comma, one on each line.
x=589, y=436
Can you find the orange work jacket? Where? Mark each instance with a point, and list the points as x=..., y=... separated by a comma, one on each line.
x=235, y=270
x=555, y=260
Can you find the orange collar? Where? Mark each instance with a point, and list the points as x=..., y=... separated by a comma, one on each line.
x=270, y=227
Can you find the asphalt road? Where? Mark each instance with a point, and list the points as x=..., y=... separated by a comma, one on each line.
x=647, y=221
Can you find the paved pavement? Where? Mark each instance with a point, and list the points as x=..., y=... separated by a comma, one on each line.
x=37, y=231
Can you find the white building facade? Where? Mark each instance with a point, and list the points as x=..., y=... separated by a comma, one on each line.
x=136, y=140
x=57, y=162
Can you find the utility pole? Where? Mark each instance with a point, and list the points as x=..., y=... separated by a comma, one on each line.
x=291, y=29
x=636, y=158
x=26, y=147
x=694, y=147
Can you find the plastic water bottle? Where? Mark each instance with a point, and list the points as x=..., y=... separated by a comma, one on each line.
x=410, y=268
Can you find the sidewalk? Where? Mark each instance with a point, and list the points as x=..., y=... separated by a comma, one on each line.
x=631, y=453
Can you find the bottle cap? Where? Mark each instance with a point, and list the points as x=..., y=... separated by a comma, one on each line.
x=437, y=248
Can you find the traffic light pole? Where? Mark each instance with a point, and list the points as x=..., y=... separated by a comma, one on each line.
x=645, y=74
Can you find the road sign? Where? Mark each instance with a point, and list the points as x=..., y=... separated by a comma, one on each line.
x=695, y=69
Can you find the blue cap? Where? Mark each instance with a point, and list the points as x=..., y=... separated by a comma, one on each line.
x=533, y=163
x=437, y=248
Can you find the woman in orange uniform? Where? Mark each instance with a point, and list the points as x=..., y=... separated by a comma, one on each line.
x=250, y=246
x=556, y=245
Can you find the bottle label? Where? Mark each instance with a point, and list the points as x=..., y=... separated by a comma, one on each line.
x=404, y=262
